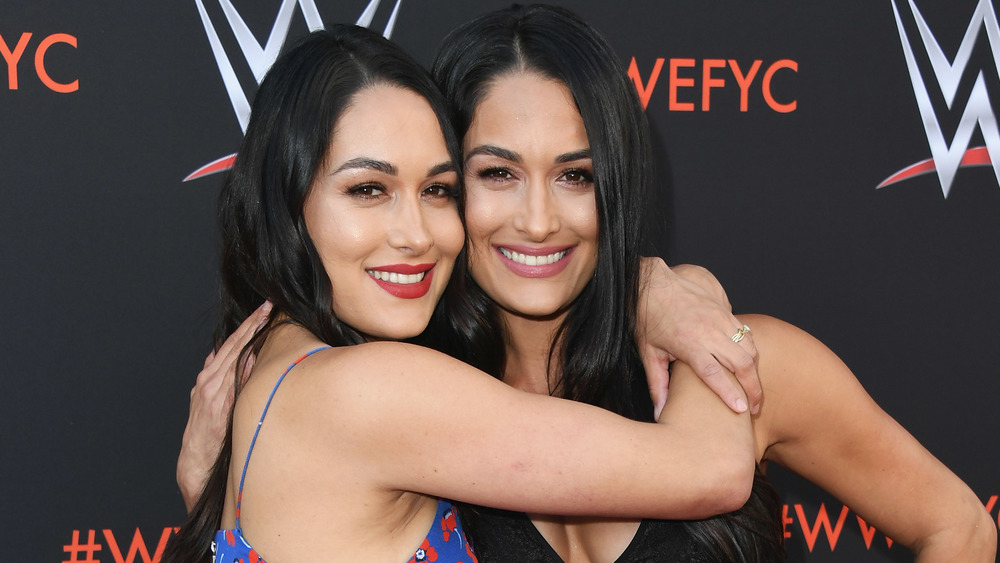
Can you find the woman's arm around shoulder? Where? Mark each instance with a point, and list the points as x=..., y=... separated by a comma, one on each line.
x=818, y=421
x=420, y=421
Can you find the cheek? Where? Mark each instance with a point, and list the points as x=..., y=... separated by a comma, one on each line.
x=480, y=218
x=581, y=213
x=340, y=236
x=449, y=235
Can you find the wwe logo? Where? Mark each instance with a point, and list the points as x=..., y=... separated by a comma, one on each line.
x=947, y=159
x=260, y=58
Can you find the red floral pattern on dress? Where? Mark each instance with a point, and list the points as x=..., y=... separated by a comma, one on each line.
x=424, y=553
x=448, y=524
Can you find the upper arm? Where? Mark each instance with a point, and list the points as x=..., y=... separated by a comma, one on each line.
x=422, y=422
x=818, y=421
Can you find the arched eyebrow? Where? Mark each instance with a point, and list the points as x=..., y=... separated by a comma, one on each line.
x=571, y=156
x=384, y=167
x=366, y=163
x=441, y=168
x=506, y=154
x=493, y=150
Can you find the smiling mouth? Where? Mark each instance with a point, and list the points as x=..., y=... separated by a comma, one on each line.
x=531, y=260
x=393, y=277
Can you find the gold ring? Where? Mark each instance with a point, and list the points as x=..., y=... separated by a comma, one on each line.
x=740, y=334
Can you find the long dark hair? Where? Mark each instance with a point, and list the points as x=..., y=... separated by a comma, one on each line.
x=594, y=349
x=600, y=365
x=266, y=251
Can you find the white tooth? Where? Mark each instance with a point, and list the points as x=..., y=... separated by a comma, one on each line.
x=393, y=277
x=530, y=260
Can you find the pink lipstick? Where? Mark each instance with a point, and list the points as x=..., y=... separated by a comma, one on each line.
x=530, y=262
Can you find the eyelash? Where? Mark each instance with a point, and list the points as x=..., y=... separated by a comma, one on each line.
x=446, y=190
x=360, y=189
x=499, y=174
x=375, y=191
x=586, y=176
x=494, y=173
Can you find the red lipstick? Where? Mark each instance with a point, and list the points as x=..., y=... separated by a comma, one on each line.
x=404, y=290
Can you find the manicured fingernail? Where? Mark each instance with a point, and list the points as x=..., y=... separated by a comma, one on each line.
x=741, y=405
x=266, y=307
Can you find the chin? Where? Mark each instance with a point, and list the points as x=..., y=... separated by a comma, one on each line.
x=536, y=309
x=395, y=333
x=398, y=329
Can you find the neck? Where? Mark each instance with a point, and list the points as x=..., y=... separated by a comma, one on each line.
x=528, y=342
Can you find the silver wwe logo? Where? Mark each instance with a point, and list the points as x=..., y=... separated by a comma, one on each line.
x=947, y=158
x=260, y=57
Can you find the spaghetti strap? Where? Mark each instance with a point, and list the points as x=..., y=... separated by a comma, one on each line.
x=243, y=475
x=445, y=541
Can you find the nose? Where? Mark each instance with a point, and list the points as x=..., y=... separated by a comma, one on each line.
x=538, y=216
x=408, y=230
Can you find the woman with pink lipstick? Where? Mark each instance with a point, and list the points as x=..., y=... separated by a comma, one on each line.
x=341, y=209
x=556, y=157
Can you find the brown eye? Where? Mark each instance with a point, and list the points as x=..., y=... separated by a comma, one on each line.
x=497, y=174
x=443, y=191
x=366, y=191
x=578, y=176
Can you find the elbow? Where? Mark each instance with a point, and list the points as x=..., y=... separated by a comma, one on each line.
x=982, y=537
x=738, y=487
x=972, y=537
x=729, y=488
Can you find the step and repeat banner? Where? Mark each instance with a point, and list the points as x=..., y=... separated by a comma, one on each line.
x=829, y=162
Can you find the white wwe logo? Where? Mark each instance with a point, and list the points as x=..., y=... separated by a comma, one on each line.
x=260, y=58
x=947, y=159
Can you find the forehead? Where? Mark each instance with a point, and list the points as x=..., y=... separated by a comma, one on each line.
x=527, y=110
x=388, y=123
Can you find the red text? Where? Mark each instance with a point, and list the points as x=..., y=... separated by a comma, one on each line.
x=683, y=74
x=13, y=56
x=137, y=550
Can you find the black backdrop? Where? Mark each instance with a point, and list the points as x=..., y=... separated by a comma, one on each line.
x=108, y=256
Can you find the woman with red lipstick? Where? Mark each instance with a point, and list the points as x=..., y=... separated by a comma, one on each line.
x=341, y=209
x=556, y=157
